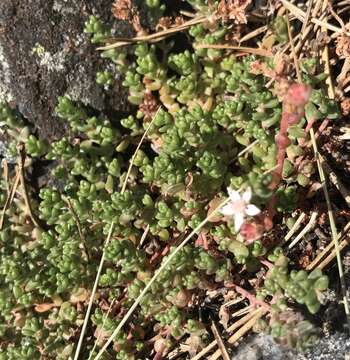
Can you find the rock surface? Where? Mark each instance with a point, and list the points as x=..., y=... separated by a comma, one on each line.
x=44, y=54
x=262, y=347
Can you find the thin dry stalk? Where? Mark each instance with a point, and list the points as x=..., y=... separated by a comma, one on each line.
x=231, y=328
x=295, y=58
x=308, y=27
x=253, y=34
x=295, y=227
x=136, y=151
x=240, y=312
x=247, y=148
x=246, y=327
x=307, y=16
x=241, y=332
x=333, y=254
x=300, y=15
x=92, y=296
x=9, y=199
x=221, y=345
x=143, y=237
x=311, y=224
x=21, y=159
x=234, y=301
x=205, y=351
x=336, y=16
x=328, y=248
x=119, y=42
x=335, y=180
x=244, y=49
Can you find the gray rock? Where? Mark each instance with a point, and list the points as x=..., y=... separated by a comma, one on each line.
x=45, y=54
x=263, y=347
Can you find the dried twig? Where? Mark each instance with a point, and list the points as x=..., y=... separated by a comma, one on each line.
x=245, y=319
x=247, y=149
x=333, y=254
x=328, y=248
x=143, y=237
x=300, y=15
x=240, y=312
x=295, y=227
x=246, y=327
x=221, y=345
x=10, y=196
x=92, y=296
x=308, y=27
x=307, y=16
x=136, y=151
x=119, y=42
x=335, y=180
x=21, y=160
x=295, y=58
x=253, y=34
x=244, y=49
x=311, y=224
x=242, y=331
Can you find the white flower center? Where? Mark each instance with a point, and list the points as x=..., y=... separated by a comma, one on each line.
x=239, y=206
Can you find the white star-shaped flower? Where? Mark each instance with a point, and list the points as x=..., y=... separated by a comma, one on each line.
x=239, y=207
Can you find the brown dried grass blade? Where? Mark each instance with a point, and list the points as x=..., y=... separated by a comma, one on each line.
x=241, y=332
x=221, y=345
x=9, y=199
x=301, y=15
x=244, y=49
x=231, y=328
x=328, y=248
x=119, y=42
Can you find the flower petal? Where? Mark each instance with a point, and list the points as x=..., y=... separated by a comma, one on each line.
x=239, y=219
x=234, y=195
x=252, y=210
x=227, y=210
x=247, y=195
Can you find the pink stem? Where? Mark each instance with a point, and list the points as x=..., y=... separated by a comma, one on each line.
x=252, y=299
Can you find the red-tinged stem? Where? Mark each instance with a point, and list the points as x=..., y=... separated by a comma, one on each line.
x=293, y=110
x=252, y=299
x=159, y=354
x=266, y=263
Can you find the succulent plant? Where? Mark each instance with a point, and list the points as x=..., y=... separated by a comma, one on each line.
x=213, y=122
